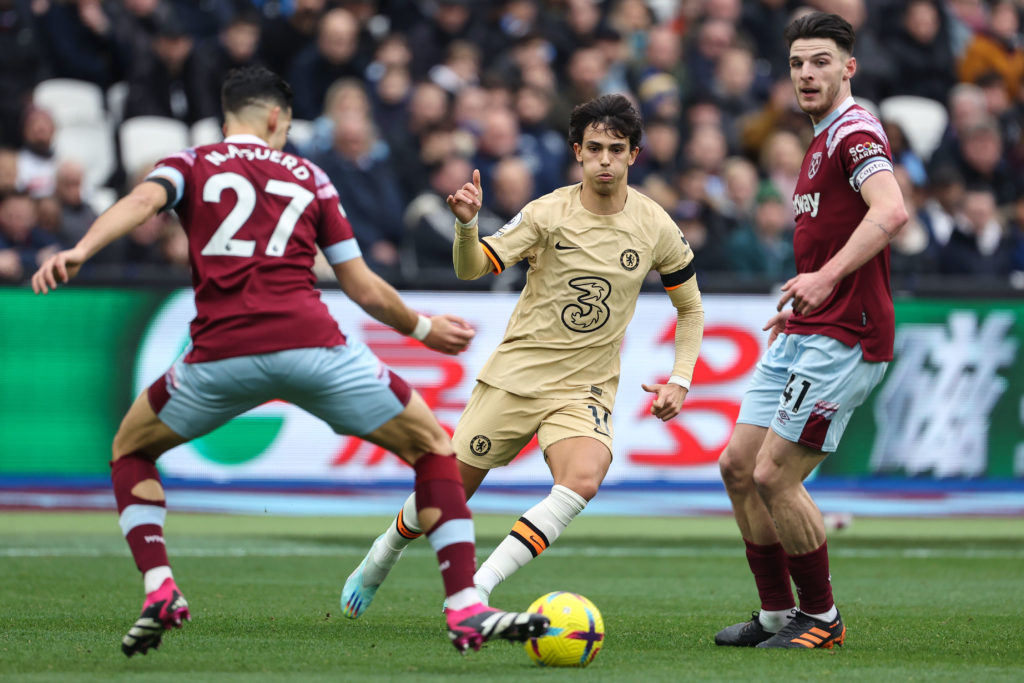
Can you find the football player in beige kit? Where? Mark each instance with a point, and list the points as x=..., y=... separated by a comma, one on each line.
x=555, y=373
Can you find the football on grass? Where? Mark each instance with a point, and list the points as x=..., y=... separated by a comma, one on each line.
x=576, y=633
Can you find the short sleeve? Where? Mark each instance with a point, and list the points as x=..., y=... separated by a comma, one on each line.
x=862, y=155
x=177, y=170
x=333, y=231
x=673, y=258
x=512, y=242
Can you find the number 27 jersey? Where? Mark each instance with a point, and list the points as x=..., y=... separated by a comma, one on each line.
x=254, y=217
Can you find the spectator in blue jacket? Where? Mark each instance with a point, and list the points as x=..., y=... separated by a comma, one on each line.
x=359, y=165
x=334, y=55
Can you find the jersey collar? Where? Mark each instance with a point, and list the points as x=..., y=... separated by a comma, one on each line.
x=820, y=126
x=246, y=139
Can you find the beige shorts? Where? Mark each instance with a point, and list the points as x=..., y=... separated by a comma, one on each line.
x=496, y=425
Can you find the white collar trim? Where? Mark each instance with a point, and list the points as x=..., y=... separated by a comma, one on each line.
x=830, y=119
x=246, y=139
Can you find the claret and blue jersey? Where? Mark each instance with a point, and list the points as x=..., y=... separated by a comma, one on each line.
x=849, y=147
x=254, y=218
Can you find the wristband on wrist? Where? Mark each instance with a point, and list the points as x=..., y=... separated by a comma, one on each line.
x=422, y=329
x=676, y=379
x=470, y=224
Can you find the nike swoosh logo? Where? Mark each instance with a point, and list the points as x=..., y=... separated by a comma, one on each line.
x=562, y=247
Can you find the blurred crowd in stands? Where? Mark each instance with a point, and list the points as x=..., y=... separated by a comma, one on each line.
x=398, y=100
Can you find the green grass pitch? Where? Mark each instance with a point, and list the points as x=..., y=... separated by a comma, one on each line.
x=924, y=600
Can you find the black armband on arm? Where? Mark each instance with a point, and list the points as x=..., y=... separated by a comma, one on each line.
x=168, y=186
x=673, y=280
x=499, y=266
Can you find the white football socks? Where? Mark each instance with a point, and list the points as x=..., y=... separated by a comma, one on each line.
x=773, y=621
x=532, y=534
x=154, y=578
x=825, y=616
x=394, y=539
x=467, y=597
x=385, y=551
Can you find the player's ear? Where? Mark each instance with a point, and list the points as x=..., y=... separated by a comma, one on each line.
x=273, y=117
x=577, y=149
x=850, y=68
x=633, y=154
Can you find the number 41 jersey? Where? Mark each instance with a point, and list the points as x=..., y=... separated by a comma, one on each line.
x=254, y=217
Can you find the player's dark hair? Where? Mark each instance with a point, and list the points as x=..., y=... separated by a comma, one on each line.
x=614, y=113
x=822, y=25
x=250, y=85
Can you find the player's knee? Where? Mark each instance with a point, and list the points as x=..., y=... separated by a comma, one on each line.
x=767, y=479
x=120, y=447
x=414, y=448
x=421, y=433
x=430, y=441
x=126, y=444
x=737, y=471
x=583, y=485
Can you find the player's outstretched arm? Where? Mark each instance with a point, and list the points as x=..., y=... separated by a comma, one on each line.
x=130, y=211
x=446, y=333
x=886, y=215
x=669, y=397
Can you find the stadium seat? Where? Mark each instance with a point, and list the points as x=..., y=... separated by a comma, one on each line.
x=101, y=199
x=923, y=121
x=867, y=104
x=301, y=133
x=70, y=101
x=146, y=139
x=206, y=131
x=117, y=93
x=90, y=144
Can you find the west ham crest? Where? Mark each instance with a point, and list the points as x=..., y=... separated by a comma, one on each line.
x=815, y=165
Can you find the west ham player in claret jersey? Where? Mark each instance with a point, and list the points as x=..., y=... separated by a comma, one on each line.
x=254, y=217
x=826, y=352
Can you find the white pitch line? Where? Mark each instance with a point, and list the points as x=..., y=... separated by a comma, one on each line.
x=598, y=552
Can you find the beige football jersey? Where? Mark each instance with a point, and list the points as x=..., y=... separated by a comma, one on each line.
x=585, y=273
